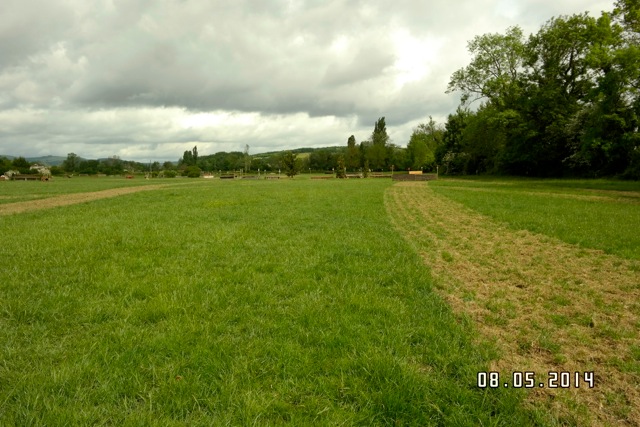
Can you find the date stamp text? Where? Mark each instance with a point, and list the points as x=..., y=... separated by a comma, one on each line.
x=553, y=379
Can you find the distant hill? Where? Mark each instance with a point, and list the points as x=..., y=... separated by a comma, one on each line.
x=47, y=160
x=43, y=160
x=307, y=151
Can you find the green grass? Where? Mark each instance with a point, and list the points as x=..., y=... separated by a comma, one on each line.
x=546, y=184
x=232, y=303
x=558, y=208
x=19, y=191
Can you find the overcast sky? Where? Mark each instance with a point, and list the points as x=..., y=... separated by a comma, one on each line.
x=149, y=79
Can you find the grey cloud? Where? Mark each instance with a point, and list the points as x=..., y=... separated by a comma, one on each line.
x=364, y=63
x=61, y=61
x=231, y=59
x=27, y=28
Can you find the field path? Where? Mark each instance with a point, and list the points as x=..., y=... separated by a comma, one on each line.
x=71, y=199
x=547, y=305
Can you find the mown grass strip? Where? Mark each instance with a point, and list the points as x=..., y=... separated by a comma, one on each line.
x=600, y=219
x=232, y=304
x=18, y=191
x=548, y=305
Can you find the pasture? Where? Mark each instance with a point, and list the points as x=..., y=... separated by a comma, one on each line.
x=313, y=302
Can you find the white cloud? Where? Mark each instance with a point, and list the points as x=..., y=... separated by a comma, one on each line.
x=414, y=56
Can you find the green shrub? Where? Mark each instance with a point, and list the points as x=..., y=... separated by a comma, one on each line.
x=56, y=171
x=192, y=172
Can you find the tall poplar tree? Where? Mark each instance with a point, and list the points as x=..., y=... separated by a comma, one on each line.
x=378, y=154
x=352, y=161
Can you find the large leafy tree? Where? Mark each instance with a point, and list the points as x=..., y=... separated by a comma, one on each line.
x=602, y=121
x=399, y=159
x=21, y=163
x=609, y=141
x=89, y=167
x=113, y=166
x=322, y=160
x=5, y=165
x=450, y=152
x=423, y=143
x=71, y=163
x=290, y=164
x=495, y=70
x=484, y=138
x=559, y=79
x=628, y=12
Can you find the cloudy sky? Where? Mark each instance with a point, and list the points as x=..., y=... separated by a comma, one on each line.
x=149, y=79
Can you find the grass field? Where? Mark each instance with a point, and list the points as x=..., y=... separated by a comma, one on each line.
x=596, y=214
x=232, y=303
x=12, y=192
x=311, y=303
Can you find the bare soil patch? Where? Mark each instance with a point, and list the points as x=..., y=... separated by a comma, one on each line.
x=70, y=199
x=545, y=304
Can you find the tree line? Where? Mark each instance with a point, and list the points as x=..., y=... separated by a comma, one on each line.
x=562, y=102
x=376, y=153
x=114, y=165
x=19, y=164
x=75, y=164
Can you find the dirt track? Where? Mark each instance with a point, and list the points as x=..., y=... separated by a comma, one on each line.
x=70, y=199
x=547, y=305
